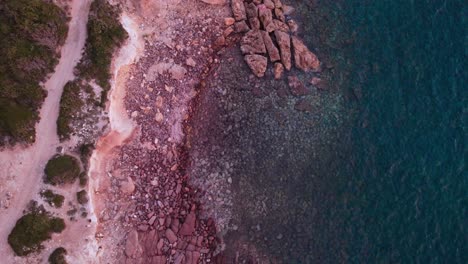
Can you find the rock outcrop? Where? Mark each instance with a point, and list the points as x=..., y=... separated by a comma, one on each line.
x=303, y=57
x=257, y=64
x=267, y=27
x=252, y=43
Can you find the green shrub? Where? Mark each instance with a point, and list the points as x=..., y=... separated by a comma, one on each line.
x=31, y=230
x=62, y=170
x=30, y=32
x=82, y=197
x=70, y=106
x=58, y=256
x=83, y=179
x=53, y=199
x=105, y=35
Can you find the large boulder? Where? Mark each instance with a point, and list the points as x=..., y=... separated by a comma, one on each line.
x=303, y=57
x=273, y=51
x=252, y=10
x=132, y=246
x=252, y=43
x=266, y=17
x=257, y=64
x=284, y=43
x=238, y=10
x=297, y=87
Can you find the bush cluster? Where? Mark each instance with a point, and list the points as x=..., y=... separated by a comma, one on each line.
x=58, y=256
x=31, y=230
x=53, y=199
x=82, y=197
x=62, y=169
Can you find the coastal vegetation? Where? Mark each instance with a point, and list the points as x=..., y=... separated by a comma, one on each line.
x=58, y=256
x=31, y=230
x=53, y=199
x=30, y=33
x=105, y=35
x=82, y=197
x=62, y=169
x=70, y=107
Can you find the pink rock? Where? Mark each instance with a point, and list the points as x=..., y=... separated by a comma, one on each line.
x=171, y=236
x=252, y=43
x=273, y=51
x=188, y=227
x=303, y=57
x=284, y=43
x=238, y=10
x=257, y=63
x=296, y=86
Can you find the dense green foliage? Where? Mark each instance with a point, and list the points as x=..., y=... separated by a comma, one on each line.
x=70, y=106
x=82, y=197
x=62, y=170
x=105, y=35
x=53, y=199
x=31, y=230
x=58, y=256
x=30, y=32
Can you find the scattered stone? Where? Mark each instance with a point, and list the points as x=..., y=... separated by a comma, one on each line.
x=303, y=57
x=269, y=4
x=257, y=64
x=228, y=31
x=278, y=3
x=266, y=17
x=177, y=72
x=159, y=117
x=214, y=2
x=319, y=83
x=278, y=70
x=273, y=51
x=228, y=21
x=132, y=247
x=293, y=26
x=188, y=227
x=288, y=10
x=220, y=41
x=296, y=86
x=168, y=88
x=152, y=220
x=303, y=105
x=252, y=43
x=254, y=23
x=285, y=47
x=252, y=10
x=238, y=10
x=190, y=62
x=159, y=101
x=128, y=186
x=170, y=236
x=241, y=27
x=281, y=26
x=279, y=14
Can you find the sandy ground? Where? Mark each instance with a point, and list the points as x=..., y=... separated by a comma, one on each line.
x=22, y=168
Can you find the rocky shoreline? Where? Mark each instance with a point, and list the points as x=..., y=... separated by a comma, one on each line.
x=153, y=195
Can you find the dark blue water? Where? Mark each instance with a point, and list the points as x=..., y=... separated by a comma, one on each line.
x=405, y=175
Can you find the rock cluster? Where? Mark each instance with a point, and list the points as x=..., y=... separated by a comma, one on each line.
x=268, y=30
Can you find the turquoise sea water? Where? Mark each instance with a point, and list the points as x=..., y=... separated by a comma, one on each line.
x=404, y=178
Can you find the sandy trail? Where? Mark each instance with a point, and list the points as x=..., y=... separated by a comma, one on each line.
x=22, y=169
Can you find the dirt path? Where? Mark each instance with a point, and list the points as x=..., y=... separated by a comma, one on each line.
x=22, y=169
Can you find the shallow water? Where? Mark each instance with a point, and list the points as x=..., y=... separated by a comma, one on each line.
x=376, y=173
